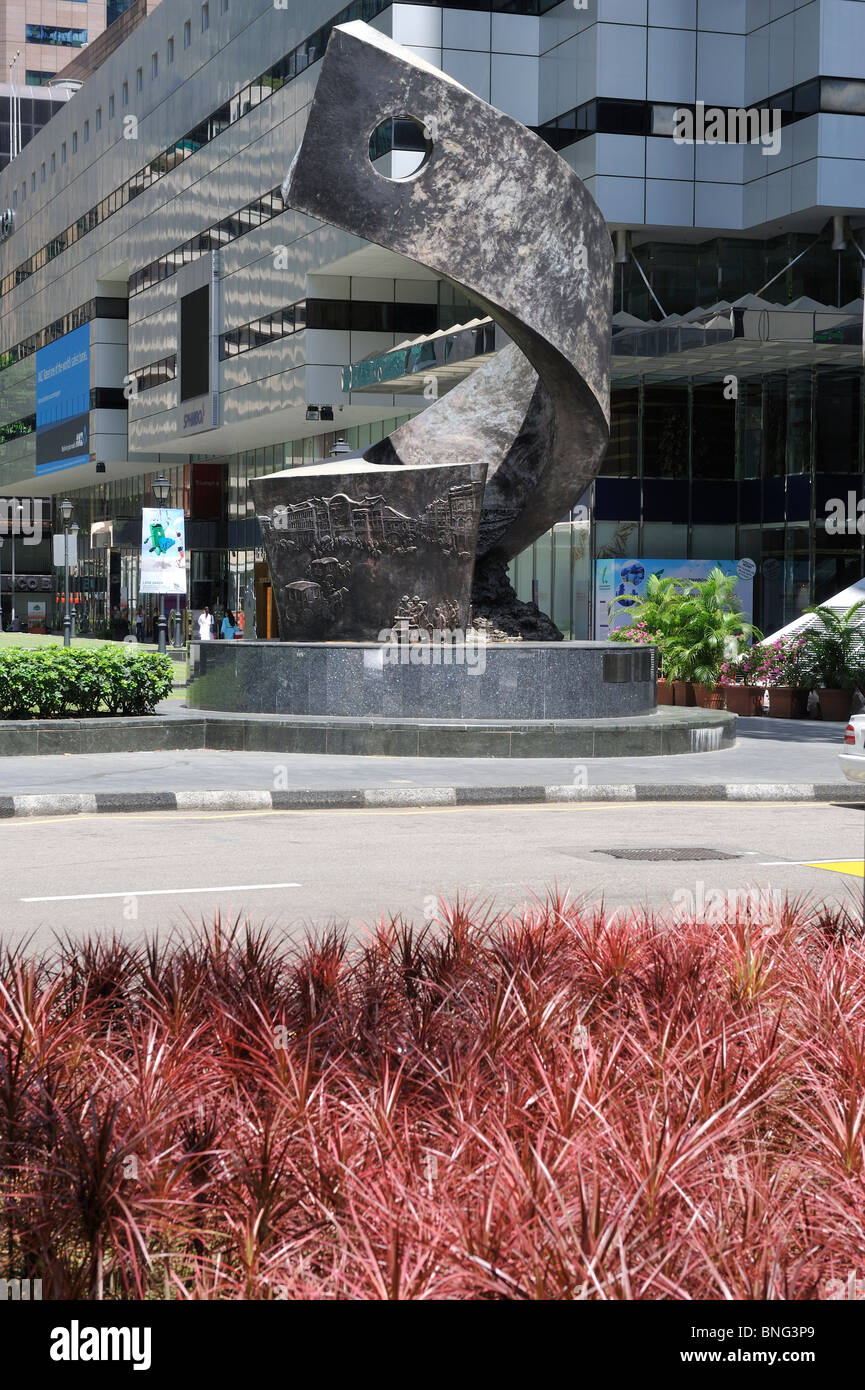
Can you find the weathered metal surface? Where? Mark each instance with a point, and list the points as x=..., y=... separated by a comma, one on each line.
x=499, y=214
x=354, y=548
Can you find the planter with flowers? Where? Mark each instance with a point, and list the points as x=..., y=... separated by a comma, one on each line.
x=695, y=626
x=651, y=621
x=708, y=631
x=835, y=647
x=742, y=679
x=787, y=675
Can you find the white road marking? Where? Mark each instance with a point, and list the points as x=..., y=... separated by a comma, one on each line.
x=801, y=863
x=159, y=892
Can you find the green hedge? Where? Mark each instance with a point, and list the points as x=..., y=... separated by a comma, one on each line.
x=58, y=682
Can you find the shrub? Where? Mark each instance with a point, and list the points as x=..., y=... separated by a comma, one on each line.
x=785, y=661
x=561, y=1103
x=835, y=647
x=695, y=626
x=58, y=682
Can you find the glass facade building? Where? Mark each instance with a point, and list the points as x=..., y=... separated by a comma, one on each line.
x=733, y=426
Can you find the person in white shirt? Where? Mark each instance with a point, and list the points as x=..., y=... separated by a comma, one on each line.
x=205, y=625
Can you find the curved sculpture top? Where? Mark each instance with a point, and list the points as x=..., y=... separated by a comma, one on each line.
x=499, y=214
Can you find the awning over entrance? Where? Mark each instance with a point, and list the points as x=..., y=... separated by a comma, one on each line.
x=448, y=356
x=748, y=337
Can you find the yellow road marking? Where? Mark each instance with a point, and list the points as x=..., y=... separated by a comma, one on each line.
x=840, y=866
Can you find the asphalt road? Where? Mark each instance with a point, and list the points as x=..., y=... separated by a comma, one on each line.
x=131, y=874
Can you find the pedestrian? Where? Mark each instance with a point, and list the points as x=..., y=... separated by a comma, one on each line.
x=230, y=628
x=205, y=625
x=139, y=623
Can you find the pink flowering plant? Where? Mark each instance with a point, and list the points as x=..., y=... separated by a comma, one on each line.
x=784, y=662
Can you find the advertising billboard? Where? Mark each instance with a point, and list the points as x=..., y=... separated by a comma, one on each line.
x=63, y=403
x=163, y=551
x=627, y=579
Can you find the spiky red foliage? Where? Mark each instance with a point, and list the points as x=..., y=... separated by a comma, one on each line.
x=557, y=1104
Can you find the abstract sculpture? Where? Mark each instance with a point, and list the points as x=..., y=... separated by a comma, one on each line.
x=497, y=213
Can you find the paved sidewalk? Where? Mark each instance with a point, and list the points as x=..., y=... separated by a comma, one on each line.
x=776, y=759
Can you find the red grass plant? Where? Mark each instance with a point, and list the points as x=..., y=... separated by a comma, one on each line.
x=558, y=1104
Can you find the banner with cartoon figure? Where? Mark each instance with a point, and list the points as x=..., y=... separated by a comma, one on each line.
x=163, y=551
x=627, y=579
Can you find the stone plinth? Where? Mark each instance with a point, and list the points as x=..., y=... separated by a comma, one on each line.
x=519, y=681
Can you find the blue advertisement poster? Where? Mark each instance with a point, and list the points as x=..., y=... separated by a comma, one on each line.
x=63, y=403
x=627, y=579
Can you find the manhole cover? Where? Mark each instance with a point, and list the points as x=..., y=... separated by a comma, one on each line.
x=659, y=855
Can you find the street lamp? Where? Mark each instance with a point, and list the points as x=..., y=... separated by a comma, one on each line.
x=66, y=514
x=73, y=531
x=161, y=491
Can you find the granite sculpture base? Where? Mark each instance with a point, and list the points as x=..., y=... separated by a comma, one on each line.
x=417, y=680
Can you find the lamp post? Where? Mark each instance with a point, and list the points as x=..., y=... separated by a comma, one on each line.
x=66, y=514
x=161, y=491
x=20, y=510
x=73, y=531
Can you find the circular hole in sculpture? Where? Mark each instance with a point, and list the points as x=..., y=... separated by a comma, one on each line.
x=399, y=147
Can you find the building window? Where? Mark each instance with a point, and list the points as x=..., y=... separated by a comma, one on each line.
x=53, y=162
x=223, y=8
x=99, y=118
x=42, y=172
x=24, y=193
x=75, y=142
x=86, y=131
x=125, y=94
x=187, y=33
x=139, y=80
x=205, y=18
x=32, y=183
x=111, y=107
x=154, y=66
x=63, y=153
x=843, y=95
x=171, y=50
x=56, y=36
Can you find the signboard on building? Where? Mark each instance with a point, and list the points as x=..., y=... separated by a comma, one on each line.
x=627, y=579
x=63, y=403
x=163, y=551
x=28, y=583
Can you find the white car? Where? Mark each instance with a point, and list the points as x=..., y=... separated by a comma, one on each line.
x=853, y=758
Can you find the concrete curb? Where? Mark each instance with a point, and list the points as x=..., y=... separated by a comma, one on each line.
x=395, y=798
x=651, y=735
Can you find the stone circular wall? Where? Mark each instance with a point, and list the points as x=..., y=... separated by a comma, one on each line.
x=513, y=681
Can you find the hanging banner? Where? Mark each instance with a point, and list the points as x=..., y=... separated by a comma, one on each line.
x=163, y=551
x=627, y=579
x=63, y=403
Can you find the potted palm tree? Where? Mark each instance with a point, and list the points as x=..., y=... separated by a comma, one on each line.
x=835, y=645
x=709, y=630
x=652, y=619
